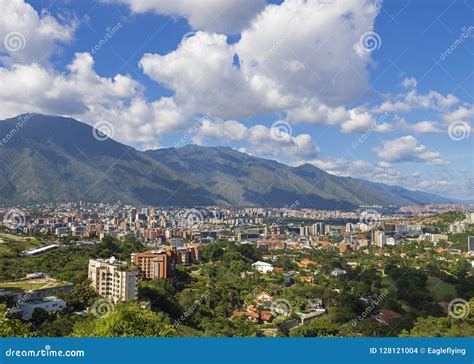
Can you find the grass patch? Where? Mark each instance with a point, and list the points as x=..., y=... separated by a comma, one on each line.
x=387, y=283
x=11, y=245
x=31, y=284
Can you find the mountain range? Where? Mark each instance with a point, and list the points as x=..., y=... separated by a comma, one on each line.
x=58, y=159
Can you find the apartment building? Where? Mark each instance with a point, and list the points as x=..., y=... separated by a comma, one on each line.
x=113, y=279
x=155, y=263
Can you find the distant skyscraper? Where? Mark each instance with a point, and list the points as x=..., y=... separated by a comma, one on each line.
x=319, y=228
x=380, y=239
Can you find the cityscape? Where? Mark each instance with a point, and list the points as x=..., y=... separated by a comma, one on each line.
x=265, y=272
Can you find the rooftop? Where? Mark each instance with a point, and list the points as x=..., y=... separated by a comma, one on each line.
x=32, y=284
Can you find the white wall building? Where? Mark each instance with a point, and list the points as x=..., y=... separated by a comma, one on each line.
x=262, y=267
x=111, y=279
x=49, y=304
x=391, y=241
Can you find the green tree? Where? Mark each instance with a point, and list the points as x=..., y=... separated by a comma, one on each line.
x=317, y=328
x=12, y=327
x=441, y=327
x=162, y=296
x=128, y=319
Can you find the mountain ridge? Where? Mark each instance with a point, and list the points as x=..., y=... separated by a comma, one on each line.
x=57, y=159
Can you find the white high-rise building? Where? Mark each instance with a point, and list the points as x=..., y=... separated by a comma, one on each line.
x=457, y=227
x=380, y=239
x=111, y=279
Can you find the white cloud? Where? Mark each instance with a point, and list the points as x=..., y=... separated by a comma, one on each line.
x=463, y=113
x=407, y=149
x=409, y=82
x=304, y=32
x=312, y=111
x=82, y=93
x=26, y=36
x=228, y=16
x=379, y=172
x=259, y=139
x=444, y=180
x=413, y=100
x=283, y=62
x=421, y=127
x=202, y=75
x=361, y=120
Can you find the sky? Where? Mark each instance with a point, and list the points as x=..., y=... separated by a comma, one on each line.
x=369, y=89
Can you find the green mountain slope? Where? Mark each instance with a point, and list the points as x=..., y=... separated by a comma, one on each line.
x=53, y=159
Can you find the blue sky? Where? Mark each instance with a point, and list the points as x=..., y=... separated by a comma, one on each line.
x=292, y=81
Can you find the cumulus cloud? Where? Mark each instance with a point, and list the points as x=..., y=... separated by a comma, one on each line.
x=313, y=111
x=82, y=93
x=447, y=181
x=202, y=75
x=412, y=100
x=302, y=33
x=28, y=36
x=464, y=113
x=421, y=127
x=282, y=61
x=360, y=120
x=229, y=16
x=259, y=139
x=382, y=172
x=409, y=82
x=407, y=149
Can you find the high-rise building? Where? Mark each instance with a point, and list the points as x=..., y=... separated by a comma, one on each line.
x=457, y=228
x=379, y=238
x=155, y=263
x=319, y=228
x=470, y=244
x=113, y=279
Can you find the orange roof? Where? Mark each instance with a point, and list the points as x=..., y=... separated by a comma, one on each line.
x=305, y=262
x=244, y=313
x=266, y=315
